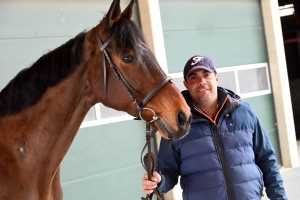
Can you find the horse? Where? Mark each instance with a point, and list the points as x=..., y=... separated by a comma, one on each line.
x=43, y=106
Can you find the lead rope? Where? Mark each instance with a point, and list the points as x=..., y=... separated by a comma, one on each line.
x=149, y=161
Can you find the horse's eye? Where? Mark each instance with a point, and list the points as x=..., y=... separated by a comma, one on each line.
x=128, y=59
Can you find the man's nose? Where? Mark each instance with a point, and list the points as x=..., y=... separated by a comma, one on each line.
x=201, y=81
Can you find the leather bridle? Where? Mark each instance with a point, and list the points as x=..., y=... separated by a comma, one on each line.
x=149, y=161
x=129, y=89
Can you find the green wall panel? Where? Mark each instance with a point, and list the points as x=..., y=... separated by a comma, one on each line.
x=225, y=47
x=105, y=161
x=17, y=54
x=55, y=18
x=210, y=14
x=123, y=184
x=230, y=32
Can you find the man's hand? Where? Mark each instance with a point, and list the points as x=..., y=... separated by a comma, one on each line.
x=150, y=185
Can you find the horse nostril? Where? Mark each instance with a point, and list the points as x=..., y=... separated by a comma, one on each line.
x=181, y=119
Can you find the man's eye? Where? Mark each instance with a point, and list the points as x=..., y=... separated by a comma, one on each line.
x=207, y=74
x=128, y=59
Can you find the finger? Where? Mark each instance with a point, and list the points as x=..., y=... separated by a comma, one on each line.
x=157, y=176
x=149, y=187
x=149, y=184
x=153, y=179
x=148, y=191
x=145, y=177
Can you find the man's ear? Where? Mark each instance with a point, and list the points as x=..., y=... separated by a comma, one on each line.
x=185, y=84
x=217, y=78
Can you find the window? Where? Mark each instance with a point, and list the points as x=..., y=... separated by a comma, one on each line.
x=100, y=114
x=247, y=80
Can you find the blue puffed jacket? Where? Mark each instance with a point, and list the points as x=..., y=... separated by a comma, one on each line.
x=231, y=158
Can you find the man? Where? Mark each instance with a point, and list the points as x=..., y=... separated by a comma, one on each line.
x=227, y=154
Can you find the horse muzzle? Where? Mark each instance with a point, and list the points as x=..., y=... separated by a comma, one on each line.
x=183, y=123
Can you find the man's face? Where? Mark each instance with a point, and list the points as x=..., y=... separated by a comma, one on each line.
x=202, y=86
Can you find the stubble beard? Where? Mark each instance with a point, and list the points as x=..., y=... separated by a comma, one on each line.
x=202, y=98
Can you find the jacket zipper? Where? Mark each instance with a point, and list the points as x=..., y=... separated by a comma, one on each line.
x=221, y=150
x=225, y=167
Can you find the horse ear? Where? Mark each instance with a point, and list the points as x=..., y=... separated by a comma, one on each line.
x=127, y=13
x=114, y=13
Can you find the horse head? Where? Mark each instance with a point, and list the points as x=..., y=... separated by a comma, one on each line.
x=123, y=63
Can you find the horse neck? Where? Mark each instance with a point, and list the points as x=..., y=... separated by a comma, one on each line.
x=49, y=127
x=67, y=104
x=35, y=140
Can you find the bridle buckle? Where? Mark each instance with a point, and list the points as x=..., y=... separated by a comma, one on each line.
x=154, y=118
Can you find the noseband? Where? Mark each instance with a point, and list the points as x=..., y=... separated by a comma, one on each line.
x=149, y=161
x=129, y=89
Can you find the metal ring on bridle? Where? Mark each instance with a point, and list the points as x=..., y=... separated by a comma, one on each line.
x=154, y=115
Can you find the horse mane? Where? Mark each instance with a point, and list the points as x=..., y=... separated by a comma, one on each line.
x=28, y=86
